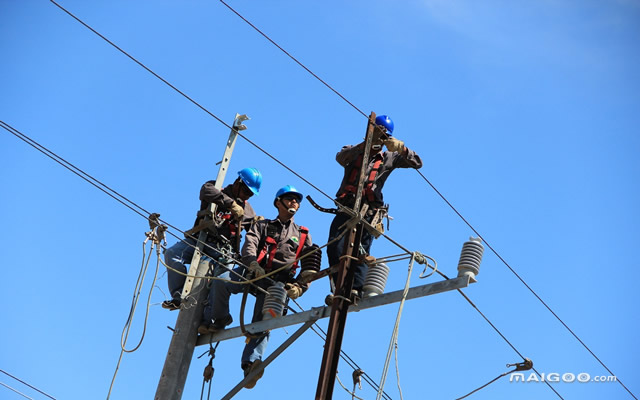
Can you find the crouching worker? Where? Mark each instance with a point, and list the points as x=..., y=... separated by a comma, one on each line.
x=269, y=246
x=233, y=214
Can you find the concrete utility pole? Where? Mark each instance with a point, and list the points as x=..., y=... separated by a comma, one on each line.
x=183, y=341
x=344, y=284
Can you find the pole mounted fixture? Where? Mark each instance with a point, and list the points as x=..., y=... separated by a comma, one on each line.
x=183, y=341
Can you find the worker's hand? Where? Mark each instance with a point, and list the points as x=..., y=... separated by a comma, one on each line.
x=255, y=270
x=305, y=275
x=369, y=260
x=236, y=210
x=293, y=290
x=394, y=145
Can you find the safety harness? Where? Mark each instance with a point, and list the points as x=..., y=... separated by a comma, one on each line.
x=352, y=181
x=268, y=246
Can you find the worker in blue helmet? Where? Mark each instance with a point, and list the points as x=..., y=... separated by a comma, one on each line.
x=271, y=247
x=378, y=168
x=233, y=213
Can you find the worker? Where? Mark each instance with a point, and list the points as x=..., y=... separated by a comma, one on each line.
x=269, y=245
x=378, y=168
x=233, y=213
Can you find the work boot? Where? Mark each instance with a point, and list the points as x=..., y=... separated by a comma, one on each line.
x=220, y=323
x=248, y=368
x=203, y=329
x=173, y=304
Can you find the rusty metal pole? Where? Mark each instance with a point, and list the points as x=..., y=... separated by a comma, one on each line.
x=344, y=284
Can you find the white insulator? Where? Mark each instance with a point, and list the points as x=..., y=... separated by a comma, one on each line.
x=376, y=280
x=470, y=258
x=274, y=301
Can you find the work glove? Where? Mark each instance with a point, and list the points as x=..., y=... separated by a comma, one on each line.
x=394, y=145
x=305, y=275
x=258, y=218
x=293, y=290
x=255, y=270
x=236, y=210
x=369, y=260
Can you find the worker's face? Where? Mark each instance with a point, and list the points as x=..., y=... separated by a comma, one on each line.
x=242, y=190
x=289, y=203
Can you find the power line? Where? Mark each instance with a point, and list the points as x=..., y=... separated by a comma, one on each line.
x=305, y=180
x=20, y=393
x=192, y=100
x=26, y=384
x=295, y=59
x=434, y=188
x=523, y=282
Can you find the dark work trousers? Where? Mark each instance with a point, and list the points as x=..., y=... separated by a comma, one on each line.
x=335, y=250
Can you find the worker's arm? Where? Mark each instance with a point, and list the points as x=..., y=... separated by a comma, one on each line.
x=210, y=194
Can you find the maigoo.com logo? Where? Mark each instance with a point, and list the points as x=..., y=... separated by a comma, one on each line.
x=567, y=377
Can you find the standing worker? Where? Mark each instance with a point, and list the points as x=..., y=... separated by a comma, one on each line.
x=378, y=168
x=223, y=232
x=269, y=246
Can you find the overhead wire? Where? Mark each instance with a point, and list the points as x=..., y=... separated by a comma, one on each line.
x=440, y=194
x=132, y=206
x=394, y=334
x=298, y=175
x=192, y=101
x=27, y=384
x=102, y=186
x=15, y=390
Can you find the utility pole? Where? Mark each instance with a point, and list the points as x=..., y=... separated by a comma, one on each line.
x=344, y=283
x=183, y=341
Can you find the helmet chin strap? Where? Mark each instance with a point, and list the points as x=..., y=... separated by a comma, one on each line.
x=291, y=210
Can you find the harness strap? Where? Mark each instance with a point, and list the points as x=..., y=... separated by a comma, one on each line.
x=304, y=232
x=368, y=187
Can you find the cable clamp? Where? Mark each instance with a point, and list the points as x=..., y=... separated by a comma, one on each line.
x=526, y=365
x=357, y=380
x=157, y=232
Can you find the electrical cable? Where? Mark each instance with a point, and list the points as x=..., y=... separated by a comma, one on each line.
x=193, y=101
x=323, y=335
x=498, y=331
x=15, y=390
x=26, y=384
x=450, y=205
x=396, y=328
x=98, y=185
x=305, y=180
x=134, y=302
x=353, y=394
x=523, y=282
x=56, y=158
x=294, y=59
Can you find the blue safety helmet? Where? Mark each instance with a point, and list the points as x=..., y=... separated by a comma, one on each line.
x=289, y=190
x=252, y=178
x=385, y=121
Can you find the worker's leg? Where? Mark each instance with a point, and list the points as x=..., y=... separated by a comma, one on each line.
x=220, y=291
x=361, y=269
x=256, y=347
x=176, y=257
x=335, y=250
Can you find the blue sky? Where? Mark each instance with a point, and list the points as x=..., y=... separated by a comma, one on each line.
x=526, y=115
